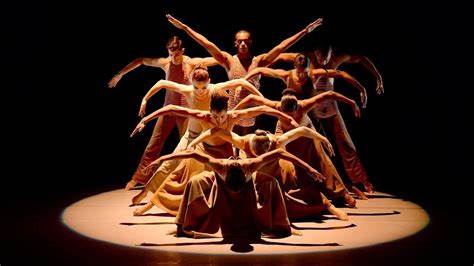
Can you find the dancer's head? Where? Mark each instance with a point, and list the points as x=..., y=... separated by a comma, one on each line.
x=301, y=63
x=323, y=54
x=218, y=108
x=175, y=46
x=261, y=142
x=243, y=41
x=289, y=102
x=235, y=179
x=200, y=77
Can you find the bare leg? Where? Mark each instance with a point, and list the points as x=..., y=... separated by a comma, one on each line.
x=142, y=209
x=139, y=197
x=349, y=200
x=341, y=215
x=359, y=193
x=131, y=184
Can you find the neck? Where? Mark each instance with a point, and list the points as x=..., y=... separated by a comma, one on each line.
x=244, y=56
x=177, y=59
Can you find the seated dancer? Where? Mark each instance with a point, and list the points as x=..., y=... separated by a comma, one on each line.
x=169, y=189
x=177, y=68
x=317, y=158
x=301, y=200
x=328, y=114
x=237, y=66
x=234, y=197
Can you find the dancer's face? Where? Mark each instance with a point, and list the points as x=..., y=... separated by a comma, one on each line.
x=174, y=51
x=201, y=85
x=219, y=117
x=243, y=42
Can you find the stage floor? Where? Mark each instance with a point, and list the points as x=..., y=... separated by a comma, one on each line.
x=108, y=217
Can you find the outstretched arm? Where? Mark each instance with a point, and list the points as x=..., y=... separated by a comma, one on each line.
x=169, y=110
x=332, y=73
x=220, y=56
x=369, y=65
x=220, y=133
x=215, y=164
x=154, y=62
x=269, y=57
x=163, y=84
x=262, y=160
x=260, y=110
x=285, y=57
x=284, y=139
x=204, y=61
x=309, y=104
x=269, y=72
x=235, y=83
x=255, y=100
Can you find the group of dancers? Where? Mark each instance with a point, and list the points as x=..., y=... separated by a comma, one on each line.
x=227, y=177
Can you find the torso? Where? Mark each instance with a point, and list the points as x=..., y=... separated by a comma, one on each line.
x=326, y=108
x=304, y=87
x=200, y=102
x=179, y=73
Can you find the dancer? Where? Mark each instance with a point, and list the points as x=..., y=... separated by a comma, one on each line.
x=177, y=68
x=298, y=109
x=328, y=114
x=239, y=65
x=234, y=198
x=167, y=189
x=302, y=198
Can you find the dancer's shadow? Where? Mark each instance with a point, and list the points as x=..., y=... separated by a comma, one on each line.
x=138, y=204
x=153, y=223
x=323, y=228
x=161, y=214
x=241, y=245
x=373, y=213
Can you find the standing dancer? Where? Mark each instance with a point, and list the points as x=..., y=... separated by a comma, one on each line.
x=177, y=68
x=239, y=65
x=328, y=114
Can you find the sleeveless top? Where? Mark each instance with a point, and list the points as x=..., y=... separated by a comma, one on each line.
x=180, y=74
x=305, y=90
x=326, y=108
x=236, y=71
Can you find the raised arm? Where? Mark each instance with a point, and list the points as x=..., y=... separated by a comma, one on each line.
x=255, y=100
x=220, y=133
x=269, y=72
x=154, y=62
x=369, y=65
x=268, y=58
x=235, y=83
x=169, y=110
x=332, y=73
x=163, y=84
x=309, y=104
x=215, y=164
x=260, y=110
x=221, y=57
x=285, y=57
x=284, y=139
x=262, y=160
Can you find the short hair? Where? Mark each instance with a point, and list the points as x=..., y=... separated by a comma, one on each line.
x=301, y=60
x=235, y=179
x=200, y=73
x=219, y=102
x=289, y=104
x=261, y=138
x=289, y=91
x=243, y=31
x=174, y=42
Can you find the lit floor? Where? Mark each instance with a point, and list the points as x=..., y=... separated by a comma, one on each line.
x=108, y=217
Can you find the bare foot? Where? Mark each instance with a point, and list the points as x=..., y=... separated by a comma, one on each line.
x=141, y=210
x=349, y=200
x=359, y=193
x=339, y=213
x=296, y=232
x=139, y=197
x=131, y=184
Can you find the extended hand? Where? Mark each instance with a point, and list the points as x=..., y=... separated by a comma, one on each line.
x=363, y=99
x=356, y=110
x=380, y=88
x=314, y=25
x=178, y=24
x=113, y=82
x=142, y=111
x=138, y=128
x=329, y=147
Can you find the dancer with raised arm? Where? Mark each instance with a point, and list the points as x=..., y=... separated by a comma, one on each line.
x=237, y=66
x=317, y=157
x=302, y=198
x=328, y=112
x=168, y=189
x=177, y=68
x=234, y=197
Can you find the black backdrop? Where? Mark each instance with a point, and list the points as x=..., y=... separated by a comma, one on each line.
x=67, y=133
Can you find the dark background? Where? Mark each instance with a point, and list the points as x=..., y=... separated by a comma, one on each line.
x=67, y=133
